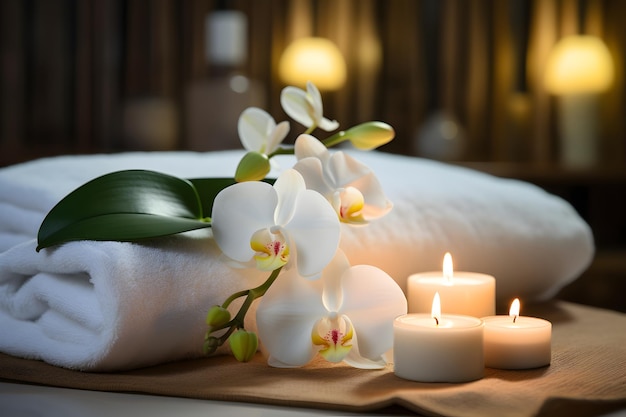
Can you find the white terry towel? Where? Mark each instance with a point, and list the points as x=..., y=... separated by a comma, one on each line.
x=110, y=305
x=147, y=302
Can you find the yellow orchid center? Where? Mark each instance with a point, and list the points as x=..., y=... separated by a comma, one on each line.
x=334, y=335
x=272, y=251
x=348, y=203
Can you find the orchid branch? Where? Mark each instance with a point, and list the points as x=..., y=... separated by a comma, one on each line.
x=211, y=343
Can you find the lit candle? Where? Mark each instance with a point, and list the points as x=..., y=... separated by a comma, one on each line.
x=438, y=348
x=466, y=293
x=517, y=342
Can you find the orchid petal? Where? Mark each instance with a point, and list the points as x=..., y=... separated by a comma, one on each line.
x=271, y=248
x=258, y=131
x=349, y=203
x=315, y=98
x=372, y=317
x=327, y=124
x=334, y=336
x=277, y=136
x=317, y=240
x=303, y=218
x=333, y=174
x=355, y=359
x=253, y=126
x=295, y=104
x=332, y=295
x=346, y=171
x=372, y=212
x=285, y=317
x=288, y=187
x=309, y=146
x=235, y=220
x=312, y=171
x=305, y=107
x=337, y=172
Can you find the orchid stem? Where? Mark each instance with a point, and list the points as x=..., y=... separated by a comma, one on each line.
x=234, y=297
x=281, y=151
x=310, y=129
x=329, y=142
x=335, y=139
x=252, y=294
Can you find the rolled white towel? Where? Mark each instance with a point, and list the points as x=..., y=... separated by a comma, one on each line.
x=104, y=306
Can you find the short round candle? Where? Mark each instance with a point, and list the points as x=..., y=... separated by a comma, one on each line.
x=465, y=293
x=517, y=342
x=446, y=349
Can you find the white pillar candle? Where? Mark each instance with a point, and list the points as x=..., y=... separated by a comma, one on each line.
x=465, y=293
x=438, y=348
x=517, y=342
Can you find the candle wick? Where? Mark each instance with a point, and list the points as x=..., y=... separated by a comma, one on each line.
x=514, y=318
x=436, y=321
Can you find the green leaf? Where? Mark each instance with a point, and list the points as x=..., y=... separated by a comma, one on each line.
x=207, y=189
x=124, y=206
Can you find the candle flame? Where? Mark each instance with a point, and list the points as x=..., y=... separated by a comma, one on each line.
x=514, y=310
x=436, y=309
x=447, y=267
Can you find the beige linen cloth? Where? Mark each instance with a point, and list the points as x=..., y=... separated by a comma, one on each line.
x=587, y=377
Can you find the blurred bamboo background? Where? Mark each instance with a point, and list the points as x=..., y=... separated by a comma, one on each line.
x=70, y=68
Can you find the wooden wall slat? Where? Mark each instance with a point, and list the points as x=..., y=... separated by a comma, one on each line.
x=83, y=79
x=68, y=67
x=12, y=85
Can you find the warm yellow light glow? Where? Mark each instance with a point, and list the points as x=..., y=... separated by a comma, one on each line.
x=436, y=308
x=514, y=310
x=448, y=269
x=313, y=59
x=578, y=65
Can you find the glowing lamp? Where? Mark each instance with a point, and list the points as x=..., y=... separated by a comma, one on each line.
x=578, y=69
x=313, y=59
x=579, y=65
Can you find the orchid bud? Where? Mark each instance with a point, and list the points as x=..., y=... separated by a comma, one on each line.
x=217, y=316
x=370, y=135
x=254, y=166
x=210, y=345
x=243, y=344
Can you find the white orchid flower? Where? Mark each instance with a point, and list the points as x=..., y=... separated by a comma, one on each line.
x=306, y=108
x=350, y=186
x=347, y=315
x=276, y=225
x=259, y=132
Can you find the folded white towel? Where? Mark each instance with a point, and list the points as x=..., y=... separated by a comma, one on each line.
x=111, y=305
